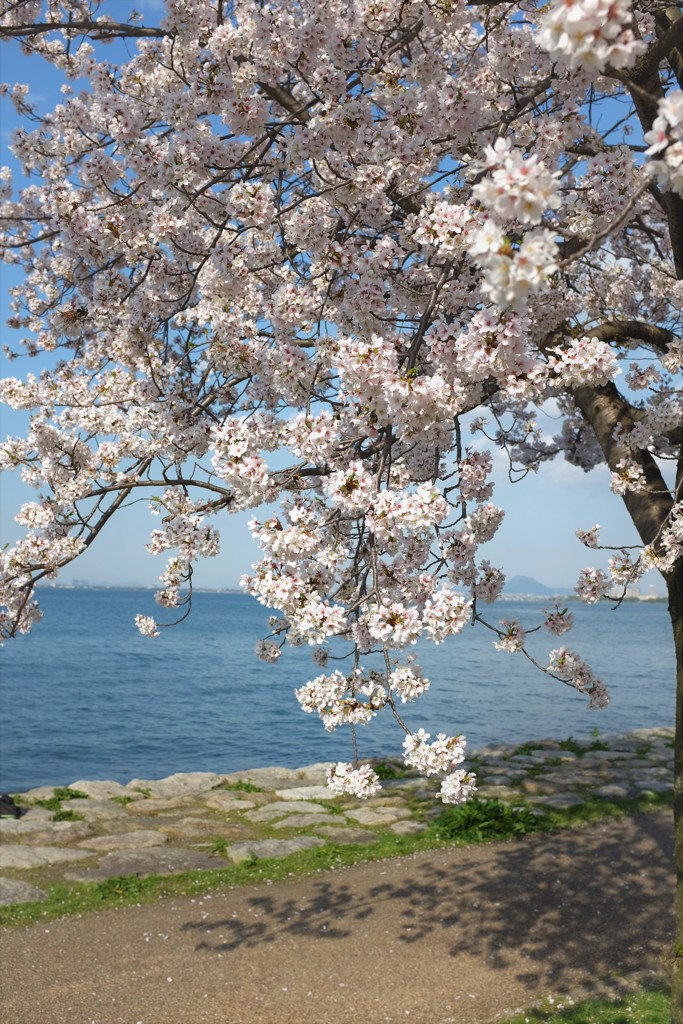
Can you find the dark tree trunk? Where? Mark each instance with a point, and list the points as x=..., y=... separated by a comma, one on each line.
x=675, y=588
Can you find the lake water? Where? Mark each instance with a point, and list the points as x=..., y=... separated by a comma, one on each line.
x=84, y=696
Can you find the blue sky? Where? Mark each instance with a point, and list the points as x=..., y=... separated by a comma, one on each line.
x=542, y=512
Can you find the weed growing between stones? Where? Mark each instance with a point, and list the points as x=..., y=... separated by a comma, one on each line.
x=385, y=770
x=241, y=786
x=54, y=803
x=479, y=820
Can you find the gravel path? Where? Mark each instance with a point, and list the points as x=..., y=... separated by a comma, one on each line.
x=449, y=937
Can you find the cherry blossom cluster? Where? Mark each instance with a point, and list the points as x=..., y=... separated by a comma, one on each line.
x=578, y=674
x=345, y=780
x=584, y=360
x=512, y=637
x=666, y=142
x=590, y=34
x=336, y=698
x=516, y=187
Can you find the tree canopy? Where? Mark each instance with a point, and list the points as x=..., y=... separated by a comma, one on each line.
x=332, y=256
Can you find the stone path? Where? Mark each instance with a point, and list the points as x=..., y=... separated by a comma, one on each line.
x=199, y=820
x=461, y=935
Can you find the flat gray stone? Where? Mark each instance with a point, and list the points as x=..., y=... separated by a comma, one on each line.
x=505, y=793
x=306, y=793
x=137, y=840
x=276, y=777
x=13, y=891
x=38, y=793
x=34, y=814
x=495, y=780
x=59, y=832
x=379, y=802
x=180, y=784
x=271, y=848
x=613, y=791
x=206, y=830
x=152, y=805
x=533, y=786
x=279, y=808
x=603, y=755
x=100, y=789
x=654, y=787
x=378, y=815
x=344, y=836
x=304, y=820
x=10, y=827
x=163, y=860
x=409, y=784
x=228, y=802
x=407, y=827
x=96, y=810
x=23, y=857
x=655, y=772
x=557, y=801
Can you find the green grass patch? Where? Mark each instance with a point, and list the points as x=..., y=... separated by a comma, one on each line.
x=642, y=1007
x=241, y=786
x=60, y=795
x=525, y=750
x=65, y=814
x=54, y=803
x=123, y=800
x=581, y=749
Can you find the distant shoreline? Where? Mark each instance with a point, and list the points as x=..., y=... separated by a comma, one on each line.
x=151, y=588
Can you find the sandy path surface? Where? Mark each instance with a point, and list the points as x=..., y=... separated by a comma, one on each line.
x=460, y=935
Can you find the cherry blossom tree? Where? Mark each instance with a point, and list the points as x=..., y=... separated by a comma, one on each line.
x=332, y=257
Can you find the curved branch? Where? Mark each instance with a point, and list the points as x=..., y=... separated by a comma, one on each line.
x=650, y=334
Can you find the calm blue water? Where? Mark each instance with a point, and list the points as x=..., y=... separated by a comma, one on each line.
x=84, y=696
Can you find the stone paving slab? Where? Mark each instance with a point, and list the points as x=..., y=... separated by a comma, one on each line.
x=163, y=860
x=228, y=802
x=14, y=891
x=378, y=815
x=306, y=793
x=100, y=789
x=182, y=783
x=305, y=820
x=271, y=848
x=136, y=840
x=281, y=807
x=335, y=834
x=14, y=856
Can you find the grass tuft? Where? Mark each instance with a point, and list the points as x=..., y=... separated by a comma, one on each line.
x=647, y=1006
x=481, y=820
x=241, y=786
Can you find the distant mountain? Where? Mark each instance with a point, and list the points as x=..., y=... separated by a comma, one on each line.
x=528, y=585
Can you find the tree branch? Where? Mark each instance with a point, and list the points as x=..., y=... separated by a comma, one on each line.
x=93, y=29
x=605, y=409
x=650, y=334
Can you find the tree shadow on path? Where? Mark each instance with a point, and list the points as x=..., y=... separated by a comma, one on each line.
x=596, y=900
